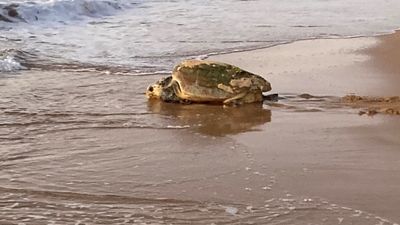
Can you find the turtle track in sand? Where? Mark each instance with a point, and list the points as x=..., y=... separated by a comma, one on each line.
x=368, y=105
x=373, y=105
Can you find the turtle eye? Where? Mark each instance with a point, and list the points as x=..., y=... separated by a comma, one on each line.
x=151, y=89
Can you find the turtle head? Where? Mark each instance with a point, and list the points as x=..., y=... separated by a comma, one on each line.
x=163, y=90
x=154, y=91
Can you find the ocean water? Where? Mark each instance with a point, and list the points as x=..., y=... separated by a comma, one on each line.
x=80, y=144
x=151, y=36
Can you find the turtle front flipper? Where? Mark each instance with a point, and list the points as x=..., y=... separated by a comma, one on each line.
x=177, y=93
x=163, y=89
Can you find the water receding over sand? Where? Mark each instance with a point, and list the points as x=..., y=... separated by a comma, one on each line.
x=80, y=143
x=74, y=150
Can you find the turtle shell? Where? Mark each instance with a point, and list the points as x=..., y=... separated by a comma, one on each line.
x=201, y=80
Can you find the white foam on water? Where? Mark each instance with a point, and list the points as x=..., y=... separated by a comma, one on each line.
x=9, y=64
x=177, y=127
x=62, y=10
x=231, y=210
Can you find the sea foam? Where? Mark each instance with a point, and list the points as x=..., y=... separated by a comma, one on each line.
x=12, y=60
x=60, y=10
x=9, y=63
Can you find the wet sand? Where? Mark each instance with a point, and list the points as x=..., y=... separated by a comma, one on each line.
x=365, y=67
x=374, y=105
x=329, y=151
x=327, y=66
x=88, y=148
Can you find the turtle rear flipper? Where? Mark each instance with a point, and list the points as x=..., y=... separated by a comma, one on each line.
x=235, y=99
x=271, y=97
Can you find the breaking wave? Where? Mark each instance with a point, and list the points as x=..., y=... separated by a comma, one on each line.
x=60, y=10
x=10, y=60
x=9, y=64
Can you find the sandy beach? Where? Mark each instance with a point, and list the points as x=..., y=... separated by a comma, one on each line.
x=81, y=144
x=327, y=150
x=332, y=67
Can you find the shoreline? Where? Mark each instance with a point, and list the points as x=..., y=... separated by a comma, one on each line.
x=327, y=151
x=384, y=33
x=361, y=66
x=81, y=143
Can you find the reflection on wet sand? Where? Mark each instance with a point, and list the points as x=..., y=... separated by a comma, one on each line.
x=214, y=120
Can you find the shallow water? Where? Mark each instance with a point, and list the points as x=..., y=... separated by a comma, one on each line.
x=74, y=153
x=80, y=144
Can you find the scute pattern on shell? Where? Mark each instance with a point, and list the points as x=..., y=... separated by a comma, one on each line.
x=207, y=73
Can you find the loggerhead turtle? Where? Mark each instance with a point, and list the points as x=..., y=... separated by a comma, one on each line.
x=202, y=81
